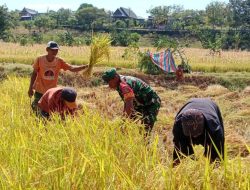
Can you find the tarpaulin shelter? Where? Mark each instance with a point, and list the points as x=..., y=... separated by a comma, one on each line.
x=164, y=60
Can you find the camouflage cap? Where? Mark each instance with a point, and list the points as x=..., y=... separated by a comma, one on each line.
x=192, y=121
x=109, y=74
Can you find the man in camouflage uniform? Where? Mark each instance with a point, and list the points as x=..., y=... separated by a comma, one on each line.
x=138, y=97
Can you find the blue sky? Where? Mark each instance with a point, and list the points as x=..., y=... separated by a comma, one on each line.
x=138, y=6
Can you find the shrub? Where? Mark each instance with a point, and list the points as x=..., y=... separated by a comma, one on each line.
x=131, y=52
x=37, y=37
x=24, y=41
x=124, y=38
x=88, y=40
x=212, y=40
x=145, y=64
x=120, y=24
x=66, y=38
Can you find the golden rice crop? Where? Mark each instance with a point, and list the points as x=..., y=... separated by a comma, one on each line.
x=92, y=152
x=199, y=59
x=99, y=50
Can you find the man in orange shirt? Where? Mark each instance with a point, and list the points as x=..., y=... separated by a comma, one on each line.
x=46, y=72
x=58, y=100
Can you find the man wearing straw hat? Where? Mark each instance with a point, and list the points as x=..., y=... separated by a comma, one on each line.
x=199, y=121
x=46, y=70
x=138, y=97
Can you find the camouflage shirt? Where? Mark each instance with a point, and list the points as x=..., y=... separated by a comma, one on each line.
x=136, y=88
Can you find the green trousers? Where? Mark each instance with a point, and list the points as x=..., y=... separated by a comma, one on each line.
x=37, y=97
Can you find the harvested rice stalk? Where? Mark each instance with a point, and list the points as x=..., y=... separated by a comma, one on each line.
x=100, y=49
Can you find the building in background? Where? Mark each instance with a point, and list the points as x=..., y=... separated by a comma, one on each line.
x=123, y=13
x=27, y=14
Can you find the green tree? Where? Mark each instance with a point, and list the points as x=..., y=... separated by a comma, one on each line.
x=66, y=38
x=5, y=23
x=28, y=24
x=191, y=19
x=44, y=22
x=120, y=38
x=90, y=17
x=85, y=5
x=172, y=16
x=239, y=13
x=72, y=21
x=160, y=14
x=14, y=18
x=124, y=38
x=53, y=15
x=216, y=13
x=64, y=16
x=236, y=39
x=212, y=40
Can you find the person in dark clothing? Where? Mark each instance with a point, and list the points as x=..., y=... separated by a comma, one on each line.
x=199, y=122
x=138, y=97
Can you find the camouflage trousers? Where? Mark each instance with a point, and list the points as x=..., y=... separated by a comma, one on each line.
x=149, y=112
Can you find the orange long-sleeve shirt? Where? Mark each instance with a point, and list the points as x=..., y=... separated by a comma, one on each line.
x=52, y=102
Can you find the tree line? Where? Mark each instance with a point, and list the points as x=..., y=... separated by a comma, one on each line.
x=220, y=25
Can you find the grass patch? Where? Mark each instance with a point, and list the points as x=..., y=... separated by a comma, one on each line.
x=232, y=80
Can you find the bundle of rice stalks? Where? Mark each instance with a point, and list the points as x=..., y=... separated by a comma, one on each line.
x=99, y=50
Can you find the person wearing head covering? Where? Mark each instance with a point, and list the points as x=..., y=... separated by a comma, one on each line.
x=46, y=70
x=179, y=73
x=138, y=97
x=58, y=100
x=199, y=121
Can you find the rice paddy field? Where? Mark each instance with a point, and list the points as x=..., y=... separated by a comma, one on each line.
x=98, y=149
x=199, y=59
